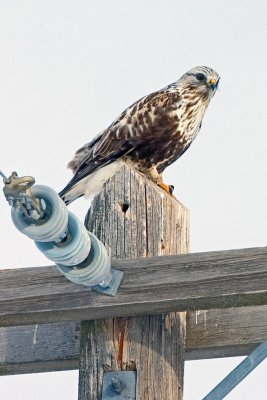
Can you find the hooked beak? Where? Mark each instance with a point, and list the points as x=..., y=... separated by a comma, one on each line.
x=213, y=83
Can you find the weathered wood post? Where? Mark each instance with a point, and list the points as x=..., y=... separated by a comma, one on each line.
x=134, y=218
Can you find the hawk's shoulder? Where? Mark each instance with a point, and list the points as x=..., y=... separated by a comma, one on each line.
x=162, y=98
x=136, y=125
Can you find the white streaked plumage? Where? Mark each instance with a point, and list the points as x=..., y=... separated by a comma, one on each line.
x=149, y=135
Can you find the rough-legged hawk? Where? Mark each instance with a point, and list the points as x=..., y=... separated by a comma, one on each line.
x=150, y=135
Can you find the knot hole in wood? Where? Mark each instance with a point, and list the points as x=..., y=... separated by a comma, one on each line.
x=124, y=206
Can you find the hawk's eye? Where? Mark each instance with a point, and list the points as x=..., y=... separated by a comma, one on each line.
x=200, y=77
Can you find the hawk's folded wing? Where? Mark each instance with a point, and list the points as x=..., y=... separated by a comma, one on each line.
x=142, y=123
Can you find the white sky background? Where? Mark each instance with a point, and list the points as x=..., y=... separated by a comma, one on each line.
x=68, y=68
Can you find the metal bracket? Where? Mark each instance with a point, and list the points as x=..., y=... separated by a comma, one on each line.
x=120, y=385
x=18, y=193
x=114, y=285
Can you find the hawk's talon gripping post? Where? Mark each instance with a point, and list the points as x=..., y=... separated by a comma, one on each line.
x=168, y=188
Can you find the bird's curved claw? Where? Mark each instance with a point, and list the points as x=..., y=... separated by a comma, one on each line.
x=171, y=189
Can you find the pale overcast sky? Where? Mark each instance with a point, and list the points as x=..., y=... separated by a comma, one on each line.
x=68, y=68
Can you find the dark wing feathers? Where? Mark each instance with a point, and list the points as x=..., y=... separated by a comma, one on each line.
x=140, y=124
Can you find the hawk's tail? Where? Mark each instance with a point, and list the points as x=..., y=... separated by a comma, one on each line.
x=66, y=196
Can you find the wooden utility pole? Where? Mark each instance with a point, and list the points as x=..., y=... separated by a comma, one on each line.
x=223, y=292
x=134, y=218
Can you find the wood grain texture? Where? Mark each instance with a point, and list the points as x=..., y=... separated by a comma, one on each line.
x=134, y=218
x=209, y=334
x=225, y=332
x=39, y=348
x=196, y=281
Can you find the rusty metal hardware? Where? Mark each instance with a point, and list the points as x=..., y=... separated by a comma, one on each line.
x=17, y=191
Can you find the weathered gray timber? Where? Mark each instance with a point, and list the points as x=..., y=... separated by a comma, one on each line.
x=134, y=218
x=39, y=348
x=55, y=347
x=196, y=281
x=225, y=332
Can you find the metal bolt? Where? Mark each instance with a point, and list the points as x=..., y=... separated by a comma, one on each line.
x=16, y=203
x=10, y=200
x=107, y=282
x=117, y=384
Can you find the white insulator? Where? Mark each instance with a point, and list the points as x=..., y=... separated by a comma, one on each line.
x=63, y=239
x=74, y=250
x=95, y=269
x=49, y=228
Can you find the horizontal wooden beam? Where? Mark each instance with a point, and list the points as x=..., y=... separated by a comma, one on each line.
x=55, y=347
x=197, y=281
x=228, y=332
x=39, y=348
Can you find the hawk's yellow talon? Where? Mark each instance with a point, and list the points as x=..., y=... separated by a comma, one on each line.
x=168, y=188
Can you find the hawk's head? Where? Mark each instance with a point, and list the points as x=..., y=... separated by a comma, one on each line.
x=201, y=79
